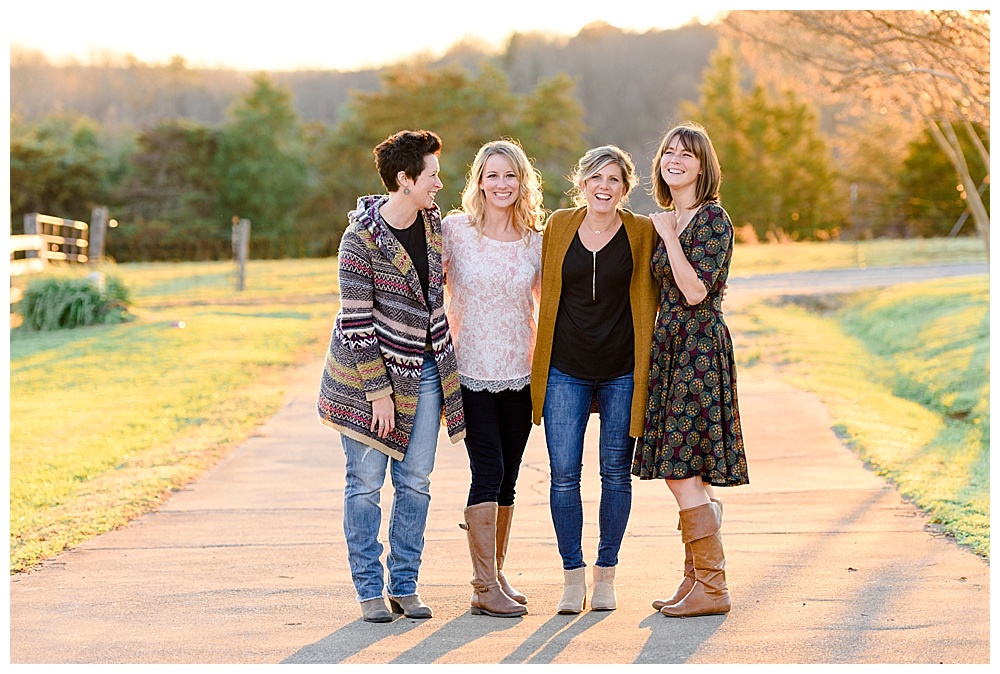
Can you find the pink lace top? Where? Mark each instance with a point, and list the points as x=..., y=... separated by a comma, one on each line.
x=492, y=290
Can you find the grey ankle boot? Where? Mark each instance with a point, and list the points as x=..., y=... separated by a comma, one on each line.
x=374, y=611
x=410, y=606
x=604, y=597
x=574, y=597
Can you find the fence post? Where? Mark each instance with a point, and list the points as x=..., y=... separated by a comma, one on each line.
x=98, y=234
x=241, y=249
x=31, y=227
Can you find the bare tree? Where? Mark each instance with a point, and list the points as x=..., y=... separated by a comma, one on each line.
x=931, y=65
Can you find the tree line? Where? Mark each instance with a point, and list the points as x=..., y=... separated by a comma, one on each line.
x=175, y=181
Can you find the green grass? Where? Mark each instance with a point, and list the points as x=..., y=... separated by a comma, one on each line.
x=107, y=421
x=754, y=259
x=904, y=372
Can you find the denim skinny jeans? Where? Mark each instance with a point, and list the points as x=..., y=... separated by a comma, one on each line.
x=411, y=481
x=566, y=413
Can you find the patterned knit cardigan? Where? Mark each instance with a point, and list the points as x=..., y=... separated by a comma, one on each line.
x=379, y=337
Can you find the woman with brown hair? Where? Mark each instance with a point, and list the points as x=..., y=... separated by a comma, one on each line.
x=390, y=373
x=693, y=439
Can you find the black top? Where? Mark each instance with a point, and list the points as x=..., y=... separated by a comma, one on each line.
x=594, y=336
x=414, y=240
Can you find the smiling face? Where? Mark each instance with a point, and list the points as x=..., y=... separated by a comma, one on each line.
x=679, y=167
x=499, y=182
x=604, y=188
x=428, y=184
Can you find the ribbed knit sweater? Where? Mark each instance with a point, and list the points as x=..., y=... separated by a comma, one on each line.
x=379, y=337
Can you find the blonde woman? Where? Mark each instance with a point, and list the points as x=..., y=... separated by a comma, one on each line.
x=595, y=323
x=492, y=263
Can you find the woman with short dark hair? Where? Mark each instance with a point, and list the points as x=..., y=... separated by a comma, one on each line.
x=391, y=370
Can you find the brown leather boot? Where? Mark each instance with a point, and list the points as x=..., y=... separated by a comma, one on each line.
x=488, y=598
x=504, y=516
x=701, y=529
x=688, y=581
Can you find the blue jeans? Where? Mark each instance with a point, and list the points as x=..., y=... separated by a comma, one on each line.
x=566, y=412
x=411, y=481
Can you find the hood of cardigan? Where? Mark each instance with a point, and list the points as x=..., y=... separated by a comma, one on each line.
x=367, y=211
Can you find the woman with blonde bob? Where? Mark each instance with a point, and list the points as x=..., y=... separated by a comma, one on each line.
x=598, y=304
x=492, y=263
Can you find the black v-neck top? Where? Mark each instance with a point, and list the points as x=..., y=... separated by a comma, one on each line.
x=594, y=336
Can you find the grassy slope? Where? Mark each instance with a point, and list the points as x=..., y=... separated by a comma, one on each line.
x=904, y=372
x=106, y=421
x=806, y=256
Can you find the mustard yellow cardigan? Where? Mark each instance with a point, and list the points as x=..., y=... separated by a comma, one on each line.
x=562, y=226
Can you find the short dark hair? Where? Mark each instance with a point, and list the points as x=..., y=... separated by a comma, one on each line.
x=404, y=151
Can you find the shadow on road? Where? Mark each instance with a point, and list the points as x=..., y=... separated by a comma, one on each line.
x=674, y=640
x=348, y=641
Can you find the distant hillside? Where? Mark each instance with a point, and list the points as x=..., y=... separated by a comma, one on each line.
x=629, y=84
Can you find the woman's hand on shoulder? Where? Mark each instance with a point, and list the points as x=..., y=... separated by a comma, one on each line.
x=665, y=223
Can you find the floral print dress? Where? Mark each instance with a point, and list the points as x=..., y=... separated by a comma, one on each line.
x=692, y=416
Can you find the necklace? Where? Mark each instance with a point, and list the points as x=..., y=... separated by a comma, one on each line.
x=603, y=229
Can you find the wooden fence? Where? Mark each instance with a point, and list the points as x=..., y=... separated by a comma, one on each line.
x=34, y=260
x=48, y=239
x=65, y=240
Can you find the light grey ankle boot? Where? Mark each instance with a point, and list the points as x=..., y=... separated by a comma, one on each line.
x=574, y=598
x=604, y=597
x=374, y=611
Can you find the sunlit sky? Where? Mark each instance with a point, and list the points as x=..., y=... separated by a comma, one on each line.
x=326, y=34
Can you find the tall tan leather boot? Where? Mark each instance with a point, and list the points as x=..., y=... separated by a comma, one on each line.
x=488, y=598
x=688, y=581
x=505, y=514
x=701, y=529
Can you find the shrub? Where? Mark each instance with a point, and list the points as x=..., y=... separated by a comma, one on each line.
x=56, y=302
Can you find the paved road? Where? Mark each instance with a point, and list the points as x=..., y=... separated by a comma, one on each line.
x=826, y=563
x=846, y=280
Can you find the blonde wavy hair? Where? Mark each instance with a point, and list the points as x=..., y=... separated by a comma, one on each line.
x=593, y=161
x=529, y=214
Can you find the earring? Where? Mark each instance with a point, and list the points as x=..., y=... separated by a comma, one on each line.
x=406, y=190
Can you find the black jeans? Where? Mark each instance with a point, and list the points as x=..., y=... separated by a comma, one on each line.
x=497, y=426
